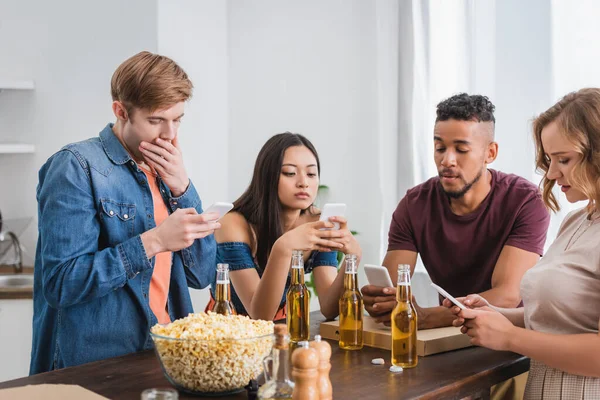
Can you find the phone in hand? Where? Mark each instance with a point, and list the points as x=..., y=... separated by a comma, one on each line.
x=220, y=208
x=448, y=296
x=378, y=275
x=332, y=210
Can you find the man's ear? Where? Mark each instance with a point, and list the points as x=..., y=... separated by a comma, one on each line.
x=491, y=152
x=120, y=111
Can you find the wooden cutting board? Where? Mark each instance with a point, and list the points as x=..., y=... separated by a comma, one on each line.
x=49, y=392
x=429, y=341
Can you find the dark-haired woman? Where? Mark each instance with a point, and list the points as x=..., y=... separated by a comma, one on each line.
x=274, y=216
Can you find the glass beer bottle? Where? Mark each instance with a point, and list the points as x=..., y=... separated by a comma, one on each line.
x=351, y=309
x=223, y=303
x=404, y=323
x=298, y=301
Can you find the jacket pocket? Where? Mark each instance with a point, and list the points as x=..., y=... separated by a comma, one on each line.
x=118, y=220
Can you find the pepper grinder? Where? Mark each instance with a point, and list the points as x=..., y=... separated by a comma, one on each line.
x=324, y=383
x=305, y=362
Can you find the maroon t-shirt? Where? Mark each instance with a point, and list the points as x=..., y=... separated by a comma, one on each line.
x=460, y=251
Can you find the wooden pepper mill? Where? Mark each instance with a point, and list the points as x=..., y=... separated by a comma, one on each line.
x=305, y=362
x=324, y=383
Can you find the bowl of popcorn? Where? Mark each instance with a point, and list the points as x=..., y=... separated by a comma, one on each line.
x=212, y=354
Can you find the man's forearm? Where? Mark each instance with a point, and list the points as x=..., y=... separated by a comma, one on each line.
x=435, y=317
x=501, y=297
x=514, y=315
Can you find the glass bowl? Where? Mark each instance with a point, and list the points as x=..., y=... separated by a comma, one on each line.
x=212, y=367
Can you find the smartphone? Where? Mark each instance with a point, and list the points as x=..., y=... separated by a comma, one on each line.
x=448, y=296
x=378, y=275
x=332, y=210
x=220, y=208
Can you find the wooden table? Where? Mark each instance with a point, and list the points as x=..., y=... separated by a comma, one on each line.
x=451, y=375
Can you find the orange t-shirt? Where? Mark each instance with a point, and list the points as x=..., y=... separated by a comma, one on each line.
x=161, y=276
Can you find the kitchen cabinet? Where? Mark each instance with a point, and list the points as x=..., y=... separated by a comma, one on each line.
x=15, y=148
x=15, y=337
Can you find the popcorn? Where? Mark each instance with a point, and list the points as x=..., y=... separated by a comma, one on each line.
x=210, y=352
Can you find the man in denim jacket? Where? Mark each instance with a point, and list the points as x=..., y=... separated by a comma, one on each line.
x=120, y=232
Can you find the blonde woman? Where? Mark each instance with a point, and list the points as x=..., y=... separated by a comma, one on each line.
x=558, y=325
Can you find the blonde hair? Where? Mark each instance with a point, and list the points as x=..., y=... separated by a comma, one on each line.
x=578, y=117
x=150, y=81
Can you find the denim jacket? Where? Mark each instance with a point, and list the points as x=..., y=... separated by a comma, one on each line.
x=92, y=275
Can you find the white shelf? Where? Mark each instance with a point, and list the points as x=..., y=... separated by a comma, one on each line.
x=16, y=85
x=16, y=148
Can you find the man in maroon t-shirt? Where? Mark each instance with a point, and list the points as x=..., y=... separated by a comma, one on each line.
x=477, y=230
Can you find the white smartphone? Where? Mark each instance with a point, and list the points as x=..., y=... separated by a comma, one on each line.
x=220, y=208
x=332, y=210
x=448, y=296
x=378, y=275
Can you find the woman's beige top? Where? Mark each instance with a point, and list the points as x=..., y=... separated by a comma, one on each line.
x=561, y=295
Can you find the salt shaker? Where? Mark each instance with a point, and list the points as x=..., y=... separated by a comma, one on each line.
x=323, y=382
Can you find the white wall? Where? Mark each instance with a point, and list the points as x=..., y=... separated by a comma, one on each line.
x=70, y=49
x=524, y=85
x=575, y=57
x=194, y=33
x=309, y=67
x=523, y=80
x=268, y=67
x=575, y=61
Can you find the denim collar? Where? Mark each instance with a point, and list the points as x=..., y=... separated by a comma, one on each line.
x=112, y=147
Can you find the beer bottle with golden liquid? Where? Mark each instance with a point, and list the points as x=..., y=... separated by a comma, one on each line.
x=404, y=323
x=351, y=309
x=223, y=303
x=298, y=301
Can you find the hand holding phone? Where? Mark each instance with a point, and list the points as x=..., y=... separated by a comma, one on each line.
x=332, y=210
x=448, y=296
x=220, y=208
